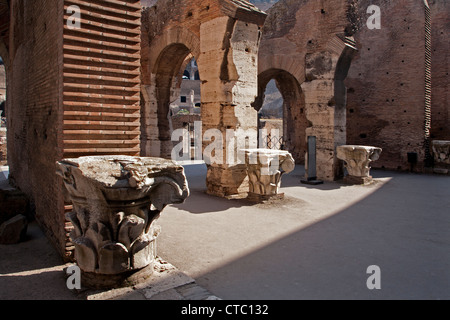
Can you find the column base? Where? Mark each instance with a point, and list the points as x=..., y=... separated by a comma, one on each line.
x=358, y=180
x=98, y=281
x=255, y=197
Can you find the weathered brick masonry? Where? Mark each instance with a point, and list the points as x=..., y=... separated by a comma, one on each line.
x=70, y=93
x=78, y=92
x=383, y=93
x=386, y=82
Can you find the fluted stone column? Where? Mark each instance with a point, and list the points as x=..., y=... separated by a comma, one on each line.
x=116, y=200
x=265, y=168
x=357, y=162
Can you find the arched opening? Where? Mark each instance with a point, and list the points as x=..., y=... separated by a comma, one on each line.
x=177, y=94
x=271, y=118
x=185, y=111
x=289, y=104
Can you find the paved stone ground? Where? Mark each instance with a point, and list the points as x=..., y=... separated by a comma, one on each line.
x=32, y=270
x=319, y=242
x=316, y=244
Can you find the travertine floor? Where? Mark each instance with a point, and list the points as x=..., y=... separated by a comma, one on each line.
x=317, y=244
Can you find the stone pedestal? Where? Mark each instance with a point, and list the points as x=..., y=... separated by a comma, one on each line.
x=265, y=168
x=357, y=161
x=441, y=154
x=116, y=200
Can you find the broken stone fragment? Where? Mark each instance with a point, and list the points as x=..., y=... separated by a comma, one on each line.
x=14, y=230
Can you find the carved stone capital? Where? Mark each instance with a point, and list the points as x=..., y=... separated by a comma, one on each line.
x=265, y=168
x=441, y=152
x=116, y=200
x=357, y=161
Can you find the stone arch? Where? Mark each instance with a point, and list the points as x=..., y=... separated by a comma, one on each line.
x=166, y=58
x=294, y=119
x=229, y=33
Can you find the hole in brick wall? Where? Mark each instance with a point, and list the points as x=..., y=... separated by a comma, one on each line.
x=322, y=11
x=402, y=84
x=404, y=111
x=368, y=49
x=247, y=50
x=403, y=61
x=351, y=110
x=409, y=122
x=351, y=90
x=189, y=14
x=363, y=135
x=207, y=7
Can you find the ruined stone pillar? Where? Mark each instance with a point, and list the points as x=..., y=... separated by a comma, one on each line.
x=116, y=201
x=228, y=65
x=265, y=168
x=357, y=162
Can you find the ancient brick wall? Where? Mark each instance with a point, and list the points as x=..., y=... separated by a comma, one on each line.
x=34, y=77
x=440, y=122
x=384, y=89
x=301, y=48
x=102, y=79
x=386, y=82
x=71, y=92
x=224, y=37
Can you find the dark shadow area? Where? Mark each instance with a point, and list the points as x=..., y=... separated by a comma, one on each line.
x=34, y=253
x=32, y=270
x=403, y=228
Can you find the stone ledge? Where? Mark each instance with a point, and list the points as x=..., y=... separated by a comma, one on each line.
x=166, y=283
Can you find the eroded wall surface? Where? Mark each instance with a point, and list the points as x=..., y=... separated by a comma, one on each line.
x=378, y=90
x=386, y=82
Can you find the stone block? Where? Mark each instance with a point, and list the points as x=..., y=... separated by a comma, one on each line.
x=13, y=230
